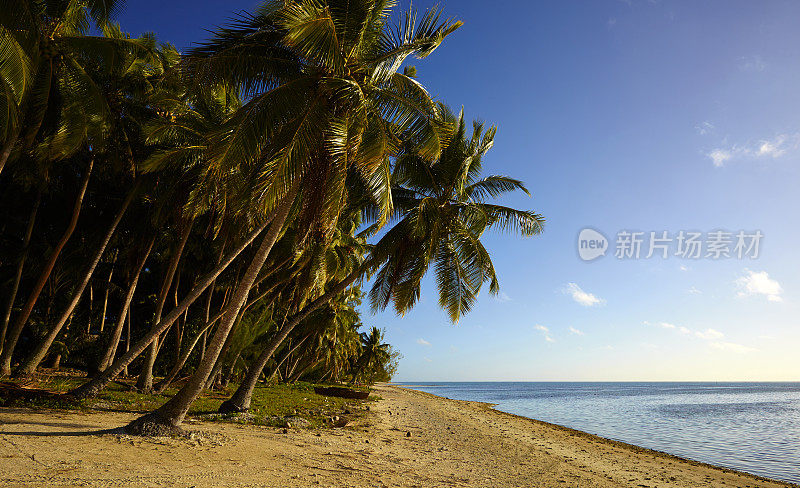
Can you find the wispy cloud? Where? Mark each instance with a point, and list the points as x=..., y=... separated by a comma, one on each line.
x=428, y=360
x=584, y=298
x=423, y=342
x=774, y=148
x=574, y=331
x=759, y=283
x=544, y=330
x=694, y=291
x=712, y=337
x=704, y=128
x=752, y=63
x=502, y=297
x=709, y=334
x=732, y=346
x=720, y=157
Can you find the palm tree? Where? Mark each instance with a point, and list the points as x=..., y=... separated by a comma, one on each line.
x=442, y=213
x=374, y=353
x=326, y=98
x=182, y=137
x=126, y=80
x=43, y=67
x=68, y=92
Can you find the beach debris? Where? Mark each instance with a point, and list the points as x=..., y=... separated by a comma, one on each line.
x=408, y=434
x=297, y=422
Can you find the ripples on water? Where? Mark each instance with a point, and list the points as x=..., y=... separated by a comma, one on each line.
x=752, y=427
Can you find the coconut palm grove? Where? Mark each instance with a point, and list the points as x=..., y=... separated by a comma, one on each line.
x=182, y=224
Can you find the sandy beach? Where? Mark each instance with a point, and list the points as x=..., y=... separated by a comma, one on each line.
x=451, y=443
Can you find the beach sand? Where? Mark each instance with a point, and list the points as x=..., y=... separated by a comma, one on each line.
x=452, y=443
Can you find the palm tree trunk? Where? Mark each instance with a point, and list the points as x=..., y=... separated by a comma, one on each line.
x=127, y=337
x=145, y=381
x=290, y=372
x=216, y=371
x=170, y=415
x=108, y=287
x=15, y=331
x=116, y=335
x=91, y=308
x=211, y=295
x=98, y=383
x=30, y=365
x=285, y=355
x=240, y=401
x=164, y=384
x=300, y=372
x=20, y=266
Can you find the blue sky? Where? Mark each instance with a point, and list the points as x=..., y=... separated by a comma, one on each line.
x=638, y=115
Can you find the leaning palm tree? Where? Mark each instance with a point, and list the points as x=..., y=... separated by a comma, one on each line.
x=443, y=212
x=126, y=78
x=65, y=112
x=326, y=99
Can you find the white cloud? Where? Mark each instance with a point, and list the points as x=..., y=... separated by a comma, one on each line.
x=502, y=297
x=423, y=342
x=720, y=157
x=584, y=298
x=428, y=360
x=731, y=346
x=709, y=334
x=752, y=63
x=704, y=128
x=774, y=148
x=545, y=331
x=573, y=330
x=759, y=283
x=712, y=336
x=694, y=291
x=611, y=22
x=666, y=325
x=683, y=267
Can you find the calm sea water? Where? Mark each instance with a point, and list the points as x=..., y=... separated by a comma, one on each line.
x=752, y=427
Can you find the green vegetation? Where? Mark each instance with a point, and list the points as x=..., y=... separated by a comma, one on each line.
x=214, y=217
x=272, y=405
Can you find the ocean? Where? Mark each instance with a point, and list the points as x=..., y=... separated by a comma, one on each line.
x=751, y=427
